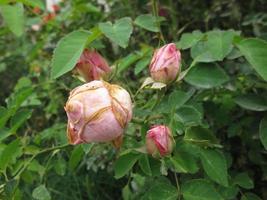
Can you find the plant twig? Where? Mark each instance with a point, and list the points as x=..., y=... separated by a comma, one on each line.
x=177, y=185
x=35, y=155
x=156, y=15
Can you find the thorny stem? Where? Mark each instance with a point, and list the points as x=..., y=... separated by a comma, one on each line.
x=129, y=177
x=35, y=155
x=177, y=185
x=160, y=95
x=174, y=20
x=137, y=92
x=156, y=14
x=46, y=167
x=30, y=160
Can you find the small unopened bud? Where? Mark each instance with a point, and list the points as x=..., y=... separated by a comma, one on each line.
x=92, y=66
x=165, y=64
x=159, y=141
x=97, y=112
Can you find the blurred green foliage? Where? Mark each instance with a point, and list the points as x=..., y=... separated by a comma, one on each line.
x=217, y=113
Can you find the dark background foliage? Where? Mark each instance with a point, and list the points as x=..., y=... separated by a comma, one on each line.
x=37, y=163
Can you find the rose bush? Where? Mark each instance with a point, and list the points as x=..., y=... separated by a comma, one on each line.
x=177, y=87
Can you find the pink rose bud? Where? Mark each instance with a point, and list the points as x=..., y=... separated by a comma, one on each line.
x=159, y=141
x=92, y=66
x=165, y=63
x=97, y=112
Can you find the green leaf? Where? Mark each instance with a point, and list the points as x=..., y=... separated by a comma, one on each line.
x=23, y=82
x=124, y=164
x=263, y=132
x=4, y=133
x=14, y=17
x=41, y=193
x=85, y=7
x=126, y=193
x=36, y=167
x=158, y=85
x=68, y=52
x=200, y=135
x=189, y=115
x=75, y=158
x=31, y=150
x=250, y=196
x=141, y=65
x=55, y=131
x=161, y=189
x=184, y=146
x=235, y=53
x=243, y=180
x=155, y=166
x=9, y=154
x=95, y=33
x=119, y=32
x=10, y=188
x=178, y=98
x=206, y=76
x=216, y=46
x=255, y=52
x=148, y=22
x=144, y=165
x=3, y=67
x=19, y=118
x=17, y=99
x=4, y=1
x=252, y=102
x=199, y=189
x=34, y=3
x=189, y=39
x=126, y=62
x=60, y=167
x=2, y=147
x=184, y=162
x=175, y=125
x=214, y=164
x=87, y=147
x=4, y=116
x=228, y=193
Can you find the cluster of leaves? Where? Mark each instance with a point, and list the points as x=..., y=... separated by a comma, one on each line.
x=216, y=109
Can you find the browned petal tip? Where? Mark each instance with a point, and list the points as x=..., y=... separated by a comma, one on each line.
x=73, y=136
x=118, y=142
x=70, y=134
x=68, y=107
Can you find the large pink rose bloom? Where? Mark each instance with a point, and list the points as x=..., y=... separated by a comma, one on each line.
x=97, y=112
x=165, y=64
x=159, y=141
x=92, y=66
